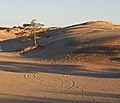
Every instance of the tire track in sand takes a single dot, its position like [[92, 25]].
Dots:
[[72, 84], [64, 82], [58, 79]]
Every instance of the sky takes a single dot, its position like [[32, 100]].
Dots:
[[58, 12]]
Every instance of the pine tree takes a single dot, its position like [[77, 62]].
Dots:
[[32, 28]]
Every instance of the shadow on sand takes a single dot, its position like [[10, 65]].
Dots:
[[30, 99], [58, 69]]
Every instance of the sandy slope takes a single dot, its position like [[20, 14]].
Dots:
[[79, 63]]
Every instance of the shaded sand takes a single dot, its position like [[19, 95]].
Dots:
[[76, 64]]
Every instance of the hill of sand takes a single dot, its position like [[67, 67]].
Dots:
[[75, 64]]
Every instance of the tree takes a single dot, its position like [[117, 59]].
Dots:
[[31, 29], [33, 25]]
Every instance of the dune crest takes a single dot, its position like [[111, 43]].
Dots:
[[100, 23]]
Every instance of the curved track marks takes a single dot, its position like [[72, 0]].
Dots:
[[72, 83], [50, 81]]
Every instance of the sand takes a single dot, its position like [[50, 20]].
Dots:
[[75, 64]]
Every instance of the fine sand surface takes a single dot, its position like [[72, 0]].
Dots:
[[75, 64]]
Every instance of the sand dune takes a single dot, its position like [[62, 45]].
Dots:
[[75, 64]]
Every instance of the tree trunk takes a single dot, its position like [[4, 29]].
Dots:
[[35, 39]]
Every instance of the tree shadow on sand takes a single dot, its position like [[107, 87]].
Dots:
[[58, 69], [108, 50], [12, 45], [111, 52], [93, 94], [29, 99], [117, 59]]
